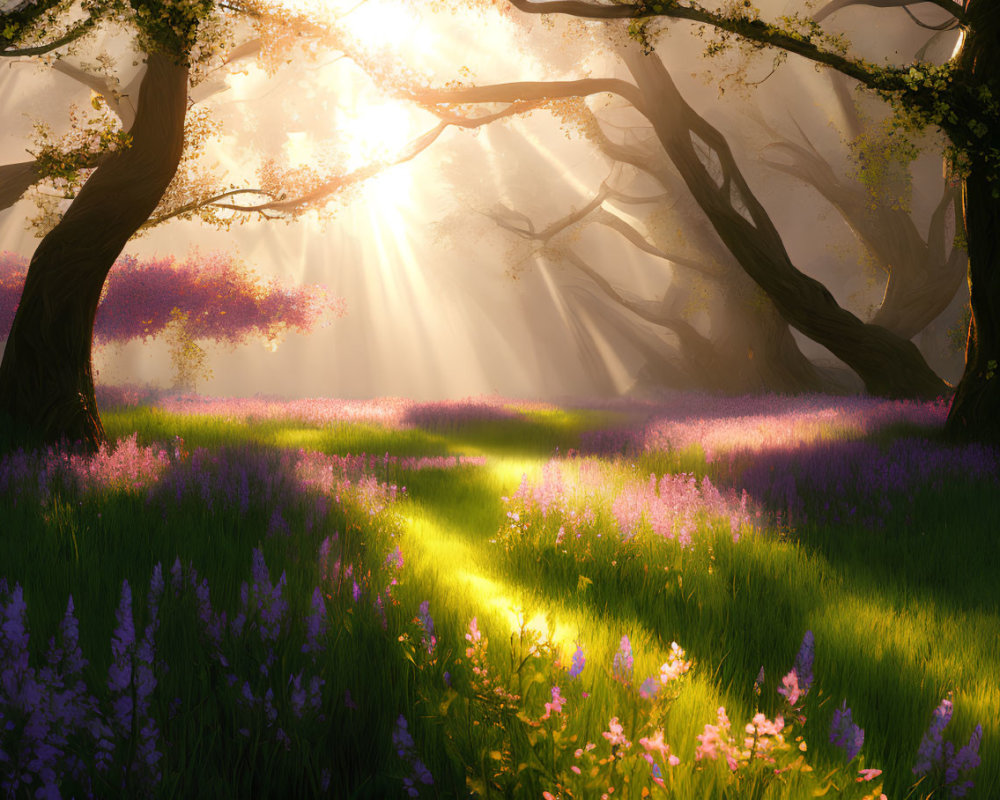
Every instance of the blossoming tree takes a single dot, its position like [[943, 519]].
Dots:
[[202, 298]]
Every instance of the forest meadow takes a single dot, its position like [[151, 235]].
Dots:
[[553, 399]]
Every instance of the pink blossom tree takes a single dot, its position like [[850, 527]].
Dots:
[[206, 297]]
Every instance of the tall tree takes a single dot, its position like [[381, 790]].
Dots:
[[888, 364], [119, 179], [959, 97]]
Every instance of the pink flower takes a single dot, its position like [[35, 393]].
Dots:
[[615, 734], [655, 744], [675, 666], [556, 706], [790, 688], [715, 741], [868, 774]]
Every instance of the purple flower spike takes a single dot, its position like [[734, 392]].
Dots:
[[579, 661], [155, 589], [401, 738], [804, 663], [315, 622], [931, 749], [844, 733], [122, 644]]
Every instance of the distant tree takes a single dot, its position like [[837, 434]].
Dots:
[[204, 298], [685, 141], [960, 97]]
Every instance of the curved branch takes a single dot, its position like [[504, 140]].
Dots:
[[67, 38], [528, 91], [835, 5], [748, 28]]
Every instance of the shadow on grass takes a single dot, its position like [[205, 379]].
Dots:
[[920, 514]]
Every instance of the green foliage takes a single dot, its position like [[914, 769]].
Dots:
[[958, 334], [170, 26], [882, 156]]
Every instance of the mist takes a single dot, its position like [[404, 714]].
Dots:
[[442, 301]]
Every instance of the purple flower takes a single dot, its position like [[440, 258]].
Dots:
[[935, 754], [966, 760], [315, 622], [421, 772], [14, 630], [122, 643], [176, 576], [804, 663], [578, 662], [622, 665], [930, 753], [426, 622], [155, 590], [401, 738], [649, 688], [395, 559], [844, 733], [297, 697]]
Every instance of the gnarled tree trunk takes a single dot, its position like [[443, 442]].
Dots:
[[46, 380], [888, 365]]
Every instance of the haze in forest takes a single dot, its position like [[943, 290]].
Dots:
[[442, 300]]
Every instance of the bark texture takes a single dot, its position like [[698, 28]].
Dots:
[[46, 379], [15, 180], [975, 410]]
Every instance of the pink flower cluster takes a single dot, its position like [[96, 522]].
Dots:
[[126, 466], [224, 301], [674, 506]]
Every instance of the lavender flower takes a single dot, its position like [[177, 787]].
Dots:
[[936, 755], [578, 662], [315, 623], [403, 743], [622, 664], [156, 587], [966, 760], [120, 671], [930, 753], [395, 559], [401, 738], [804, 663], [844, 733], [426, 622]]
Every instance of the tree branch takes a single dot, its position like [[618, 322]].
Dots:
[[835, 5], [70, 36], [528, 91], [749, 28]]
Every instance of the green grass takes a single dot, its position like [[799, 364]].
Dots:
[[901, 617]]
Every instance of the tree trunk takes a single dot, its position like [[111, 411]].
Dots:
[[46, 381], [975, 409], [888, 365]]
